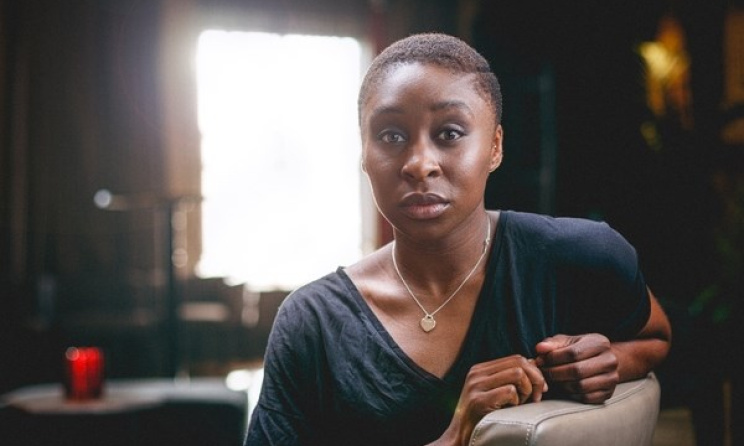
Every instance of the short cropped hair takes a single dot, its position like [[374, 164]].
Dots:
[[437, 49]]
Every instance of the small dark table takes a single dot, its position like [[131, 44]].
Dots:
[[146, 412]]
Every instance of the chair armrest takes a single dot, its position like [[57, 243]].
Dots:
[[628, 418]]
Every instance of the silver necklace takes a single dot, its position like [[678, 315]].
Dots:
[[428, 323]]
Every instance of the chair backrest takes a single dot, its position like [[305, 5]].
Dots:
[[628, 418]]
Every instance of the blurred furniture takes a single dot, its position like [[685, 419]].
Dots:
[[124, 316], [198, 412], [222, 324], [266, 308], [628, 418], [210, 323]]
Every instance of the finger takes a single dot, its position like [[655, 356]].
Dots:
[[529, 382], [539, 383], [551, 343], [535, 376], [515, 376], [600, 383], [495, 365], [500, 397], [525, 387], [548, 345], [515, 369], [579, 350], [575, 371]]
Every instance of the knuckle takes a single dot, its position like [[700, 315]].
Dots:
[[474, 372], [469, 376], [510, 395], [613, 363], [471, 385], [576, 371], [518, 373], [507, 392], [474, 369], [574, 353], [517, 359], [476, 405], [579, 387]]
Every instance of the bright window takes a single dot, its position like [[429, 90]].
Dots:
[[280, 154]]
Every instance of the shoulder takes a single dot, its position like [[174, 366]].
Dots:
[[309, 319], [569, 239], [552, 228], [316, 301]]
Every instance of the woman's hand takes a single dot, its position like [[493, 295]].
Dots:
[[583, 367], [493, 385]]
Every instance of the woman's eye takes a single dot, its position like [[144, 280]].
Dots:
[[391, 137], [450, 135]]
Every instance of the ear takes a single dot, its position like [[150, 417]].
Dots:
[[497, 152]]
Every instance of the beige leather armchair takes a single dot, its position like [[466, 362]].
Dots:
[[626, 419]]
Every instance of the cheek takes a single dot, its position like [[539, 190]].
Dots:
[[380, 181], [377, 162], [382, 188], [469, 173], [472, 164], [377, 171]]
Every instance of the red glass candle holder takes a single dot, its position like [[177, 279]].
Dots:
[[84, 373]]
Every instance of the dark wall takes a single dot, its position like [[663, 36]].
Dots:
[[660, 198], [80, 112]]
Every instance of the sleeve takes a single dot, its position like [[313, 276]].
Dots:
[[281, 414], [601, 281]]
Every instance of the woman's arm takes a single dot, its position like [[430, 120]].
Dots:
[[588, 367], [639, 356]]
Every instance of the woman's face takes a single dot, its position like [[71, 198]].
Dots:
[[429, 142]]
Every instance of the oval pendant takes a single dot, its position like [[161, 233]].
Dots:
[[428, 323]]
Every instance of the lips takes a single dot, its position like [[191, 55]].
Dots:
[[423, 205]]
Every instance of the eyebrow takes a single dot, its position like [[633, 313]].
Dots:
[[452, 104], [443, 105], [386, 110]]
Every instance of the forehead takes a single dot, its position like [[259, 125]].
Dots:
[[412, 86]]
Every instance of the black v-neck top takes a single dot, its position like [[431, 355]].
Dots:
[[334, 376]]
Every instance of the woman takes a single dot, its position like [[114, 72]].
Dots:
[[467, 311]]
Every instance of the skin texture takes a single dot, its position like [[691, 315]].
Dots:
[[430, 141], [430, 135]]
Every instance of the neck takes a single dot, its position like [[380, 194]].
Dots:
[[434, 269]]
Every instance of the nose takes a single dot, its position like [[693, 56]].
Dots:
[[422, 160]]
